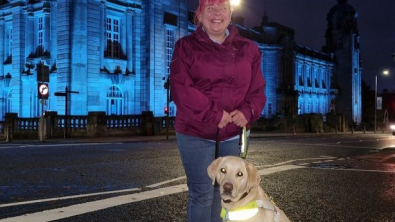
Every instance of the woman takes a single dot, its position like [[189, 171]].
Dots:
[[217, 84]]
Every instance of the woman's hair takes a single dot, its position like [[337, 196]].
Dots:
[[202, 5]]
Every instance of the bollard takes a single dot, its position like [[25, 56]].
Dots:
[[336, 130], [293, 129], [8, 134], [364, 129], [352, 129]]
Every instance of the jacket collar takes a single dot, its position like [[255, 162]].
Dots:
[[202, 35]]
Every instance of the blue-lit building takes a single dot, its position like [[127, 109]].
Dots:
[[116, 55]]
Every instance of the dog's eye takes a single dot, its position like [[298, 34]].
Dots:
[[223, 170], [239, 174]]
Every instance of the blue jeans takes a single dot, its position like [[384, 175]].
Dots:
[[204, 202]]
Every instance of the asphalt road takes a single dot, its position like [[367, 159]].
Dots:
[[313, 178]]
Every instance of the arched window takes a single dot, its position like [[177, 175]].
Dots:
[[9, 102], [115, 101]]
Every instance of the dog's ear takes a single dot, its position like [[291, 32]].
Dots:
[[213, 168], [253, 177]]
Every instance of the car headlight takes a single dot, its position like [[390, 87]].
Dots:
[[392, 126]]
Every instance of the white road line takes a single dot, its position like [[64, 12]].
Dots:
[[69, 197], [357, 170], [295, 160], [78, 209], [165, 182], [277, 169], [52, 145], [83, 208], [334, 145]]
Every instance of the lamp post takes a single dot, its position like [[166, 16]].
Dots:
[[385, 72], [235, 2]]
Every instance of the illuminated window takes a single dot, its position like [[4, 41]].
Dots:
[[8, 108], [300, 75], [169, 48], [8, 46], [308, 72], [40, 36], [115, 101], [114, 48]]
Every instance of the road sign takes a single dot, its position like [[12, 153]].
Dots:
[[60, 94], [43, 90]]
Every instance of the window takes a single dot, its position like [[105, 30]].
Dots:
[[40, 36], [308, 72], [114, 101], [169, 48], [300, 75], [269, 110], [8, 46], [114, 48], [8, 108]]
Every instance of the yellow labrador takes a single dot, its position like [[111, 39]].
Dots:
[[243, 199]]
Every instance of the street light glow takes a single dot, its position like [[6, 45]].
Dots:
[[234, 2], [386, 72]]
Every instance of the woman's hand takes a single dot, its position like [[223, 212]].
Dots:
[[238, 118], [226, 118]]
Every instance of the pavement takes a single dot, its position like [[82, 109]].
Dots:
[[256, 134], [381, 156]]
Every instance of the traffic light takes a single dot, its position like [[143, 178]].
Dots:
[[166, 85], [166, 110]]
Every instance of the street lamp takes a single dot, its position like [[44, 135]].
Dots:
[[235, 2], [385, 72]]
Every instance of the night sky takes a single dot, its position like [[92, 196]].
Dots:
[[376, 25]]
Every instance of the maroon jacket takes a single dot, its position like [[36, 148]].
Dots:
[[207, 78]]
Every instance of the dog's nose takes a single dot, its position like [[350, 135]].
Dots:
[[228, 187]]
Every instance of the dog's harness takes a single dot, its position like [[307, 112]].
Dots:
[[250, 210]]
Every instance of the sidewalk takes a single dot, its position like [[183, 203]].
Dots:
[[171, 137]]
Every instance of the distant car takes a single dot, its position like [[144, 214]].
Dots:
[[392, 127]]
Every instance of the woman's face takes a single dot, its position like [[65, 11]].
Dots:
[[215, 18]]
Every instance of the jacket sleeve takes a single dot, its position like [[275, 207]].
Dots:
[[255, 98], [189, 100]]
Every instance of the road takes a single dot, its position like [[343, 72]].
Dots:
[[311, 177]]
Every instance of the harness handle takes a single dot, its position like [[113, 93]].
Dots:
[[243, 144]]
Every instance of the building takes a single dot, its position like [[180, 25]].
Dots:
[[115, 55], [342, 39]]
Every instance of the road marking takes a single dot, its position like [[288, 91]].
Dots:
[[277, 169], [357, 170], [78, 209], [165, 182], [83, 208], [333, 145], [15, 146], [69, 197]]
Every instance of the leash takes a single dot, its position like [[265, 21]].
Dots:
[[243, 144]]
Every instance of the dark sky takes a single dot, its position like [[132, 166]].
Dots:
[[376, 25]]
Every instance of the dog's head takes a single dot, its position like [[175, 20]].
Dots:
[[235, 176]]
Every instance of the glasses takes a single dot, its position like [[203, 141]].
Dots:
[[223, 9]]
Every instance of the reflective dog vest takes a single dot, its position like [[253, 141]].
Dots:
[[248, 211]]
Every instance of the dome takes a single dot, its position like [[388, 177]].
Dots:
[[342, 7]]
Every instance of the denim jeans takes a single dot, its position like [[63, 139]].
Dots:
[[204, 202]]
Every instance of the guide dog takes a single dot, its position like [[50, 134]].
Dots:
[[243, 199]]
